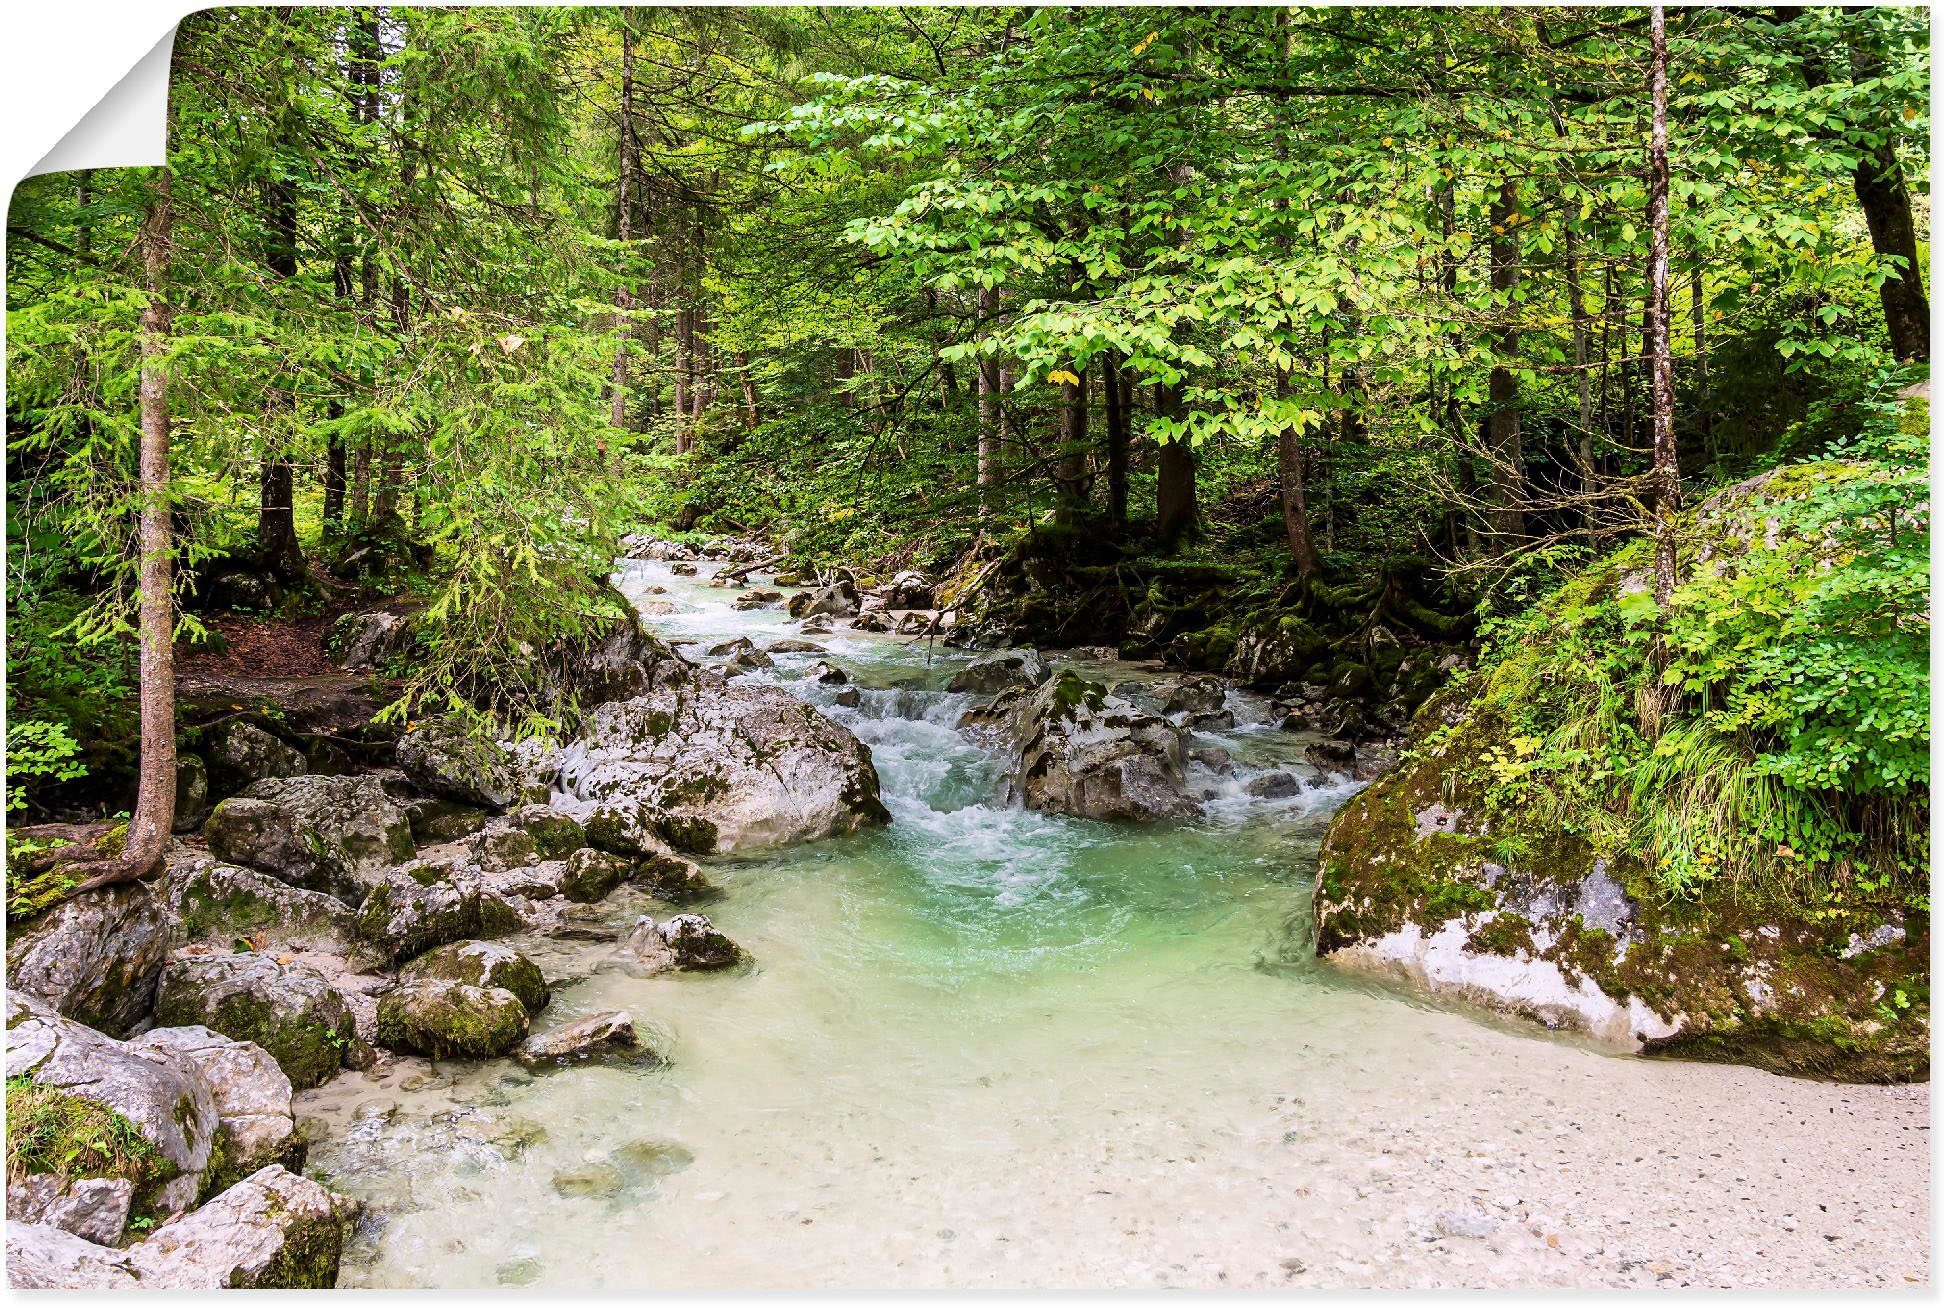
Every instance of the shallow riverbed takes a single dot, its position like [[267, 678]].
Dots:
[[985, 1047]]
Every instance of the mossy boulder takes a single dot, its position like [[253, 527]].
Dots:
[[330, 833], [442, 820], [96, 957], [287, 1008], [488, 965], [449, 1018], [442, 756], [218, 901], [424, 904], [591, 874], [554, 833]]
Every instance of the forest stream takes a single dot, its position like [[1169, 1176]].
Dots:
[[986, 1047]]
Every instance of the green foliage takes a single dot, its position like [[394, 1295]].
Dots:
[[52, 1132], [1795, 756], [38, 750]]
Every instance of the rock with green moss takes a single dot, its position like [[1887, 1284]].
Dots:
[[442, 820], [591, 874], [220, 902], [1079, 750], [555, 834], [274, 1229], [504, 848], [714, 766], [84, 1105], [1012, 668], [488, 965], [685, 942], [95, 958], [335, 834], [283, 1006], [607, 1034], [1521, 856], [255, 1124], [242, 753], [192, 793], [449, 1018], [443, 756], [426, 903]]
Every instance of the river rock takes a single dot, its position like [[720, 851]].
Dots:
[[424, 904], [616, 658], [505, 848], [287, 1008], [94, 1209], [442, 820], [591, 874], [161, 1094], [823, 673], [781, 646], [1196, 695], [1007, 669], [44, 1256], [685, 942], [361, 641], [443, 757], [555, 834], [728, 648], [1274, 784], [1082, 751], [274, 1229], [96, 957], [252, 1097], [682, 569], [907, 589], [817, 625], [192, 793], [720, 767], [216, 900], [242, 753], [488, 965], [447, 1018], [752, 660], [848, 696], [837, 600], [336, 834], [586, 1039]]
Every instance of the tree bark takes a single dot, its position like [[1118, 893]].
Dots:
[[1176, 515], [1070, 471], [1295, 505], [624, 223], [988, 410], [276, 534], [752, 415], [1504, 441], [1666, 476], [155, 793], [1117, 440]]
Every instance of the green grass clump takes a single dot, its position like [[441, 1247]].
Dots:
[[52, 1132]]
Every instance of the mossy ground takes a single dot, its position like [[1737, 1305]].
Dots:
[[53, 1132]]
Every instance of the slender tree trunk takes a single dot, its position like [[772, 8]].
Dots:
[[1504, 442], [1666, 473], [752, 415], [624, 222], [1295, 504], [1117, 441], [155, 794], [276, 536], [1175, 512], [988, 410], [1070, 474]]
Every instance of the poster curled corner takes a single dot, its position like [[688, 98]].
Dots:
[[127, 128]]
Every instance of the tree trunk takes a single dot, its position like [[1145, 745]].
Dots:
[[1295, 506], [1070, 471], [752, 415], [988, 411], [276, 534], [624, 225], [1666, 478], [1175, 511], [155, 794], [1504, 443], [1116, 441]]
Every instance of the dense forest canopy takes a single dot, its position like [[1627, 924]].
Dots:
[[1324, 302]]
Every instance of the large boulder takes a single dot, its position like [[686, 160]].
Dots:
[[1416, 884], [44, 1255], [1012, 668], [442, 756], [241, 752], [686, 942], [192, 793], [88, 1087], [488, 965], [1079, 750], [287, 1008], [216, 900], [337, 834], [254, 1119], [95, 958], [908, 589], [555, 834], [448, 1018], [712, 766], [362, 641], [424, 904], [274, 1229]]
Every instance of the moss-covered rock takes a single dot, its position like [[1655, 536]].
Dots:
[[488, 965], [554, 833], [424, 904], [285, 1007], [96, 957], [448, 1018]]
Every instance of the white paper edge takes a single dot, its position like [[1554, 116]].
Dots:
[[127, 128]]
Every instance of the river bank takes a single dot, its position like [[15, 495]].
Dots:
[[990, 1047]]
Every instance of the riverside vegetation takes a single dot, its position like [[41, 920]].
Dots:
[[520, 480]]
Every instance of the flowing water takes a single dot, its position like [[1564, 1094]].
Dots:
[[987, 1047]]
